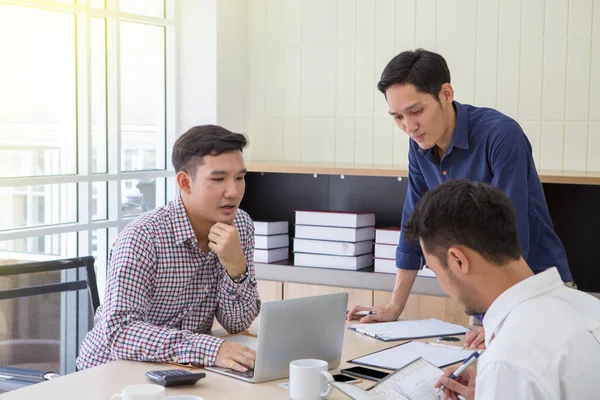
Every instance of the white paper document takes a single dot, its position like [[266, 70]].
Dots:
[[413, 382], [407, 330], [396, 357], [418, 379]]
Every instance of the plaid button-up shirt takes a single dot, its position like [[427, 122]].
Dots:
[[163, 293]]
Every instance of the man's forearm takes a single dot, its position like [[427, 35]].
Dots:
[[141, 341], [405, 279], [238, 306]]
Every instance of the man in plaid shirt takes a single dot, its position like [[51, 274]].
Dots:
[[175, 268]]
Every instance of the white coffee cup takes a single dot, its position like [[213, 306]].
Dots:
[[141, 392], [183, 397], [309, 380]]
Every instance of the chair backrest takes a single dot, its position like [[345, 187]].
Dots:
[[46, 309], [89, 280]]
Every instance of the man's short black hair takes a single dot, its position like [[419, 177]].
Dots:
[[426, 70], [199, 141], [472, 214]]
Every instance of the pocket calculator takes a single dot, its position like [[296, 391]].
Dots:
[[175, 377]]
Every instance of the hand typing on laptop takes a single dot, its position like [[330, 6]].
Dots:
[[236, 357], [286, 332]]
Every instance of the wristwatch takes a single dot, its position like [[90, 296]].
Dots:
[[240, 279]]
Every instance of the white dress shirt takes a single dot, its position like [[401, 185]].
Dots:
[[546, 343]]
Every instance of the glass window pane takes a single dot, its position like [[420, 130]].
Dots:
[[170, 9], [151, 8], [98, 3], [34, 205], [98, 64], [30, 334], [142, 97], [140, 195], [99, 200], [39, 248], [37, 99]]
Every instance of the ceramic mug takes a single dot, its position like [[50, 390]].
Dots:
[[183, 397], [141, 392], [309, 380]]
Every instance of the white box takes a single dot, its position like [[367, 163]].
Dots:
[[271, 241], [335, 262], [332, 248], [270, 228], [334, 234], [389, 235], [385, 250], [337, 219], [386, 266], [269, 256]]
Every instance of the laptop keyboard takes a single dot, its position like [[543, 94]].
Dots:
[[248, 374]]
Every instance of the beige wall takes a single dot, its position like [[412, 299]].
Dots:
[[313, 66]]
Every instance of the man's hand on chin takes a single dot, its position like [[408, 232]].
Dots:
[[224, 240]]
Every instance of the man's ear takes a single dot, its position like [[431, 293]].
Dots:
[[184, 181], [447, 93], [458, 261]]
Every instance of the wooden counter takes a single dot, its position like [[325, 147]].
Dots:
[[546, 176]]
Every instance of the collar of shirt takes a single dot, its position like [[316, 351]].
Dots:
[[527, 289], [182, 227], [460, 135]]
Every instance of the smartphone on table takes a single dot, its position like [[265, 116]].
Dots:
[[366, 373], [346, 378]]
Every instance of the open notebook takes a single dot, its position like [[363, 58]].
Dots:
[[412, 382]]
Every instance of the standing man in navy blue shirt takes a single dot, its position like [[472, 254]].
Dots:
[[451, 140]]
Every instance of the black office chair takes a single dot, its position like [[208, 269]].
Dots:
[[46, 309]]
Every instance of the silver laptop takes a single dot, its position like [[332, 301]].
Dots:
[[308, 327]]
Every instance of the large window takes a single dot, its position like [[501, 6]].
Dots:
[[83, 128]]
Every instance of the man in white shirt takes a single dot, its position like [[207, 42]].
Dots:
[[542, 338]]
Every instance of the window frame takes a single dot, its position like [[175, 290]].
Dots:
[[84, 177]]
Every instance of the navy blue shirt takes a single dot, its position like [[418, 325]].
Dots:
[[488, 146]]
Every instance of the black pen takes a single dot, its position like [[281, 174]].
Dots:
[[448, 339]]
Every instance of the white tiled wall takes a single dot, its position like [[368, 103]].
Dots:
[[314, 66]]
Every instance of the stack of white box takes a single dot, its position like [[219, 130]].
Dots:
[[386, 242], [271, 241], [338, 240]]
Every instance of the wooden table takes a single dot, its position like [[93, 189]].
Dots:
[[101, 382]]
